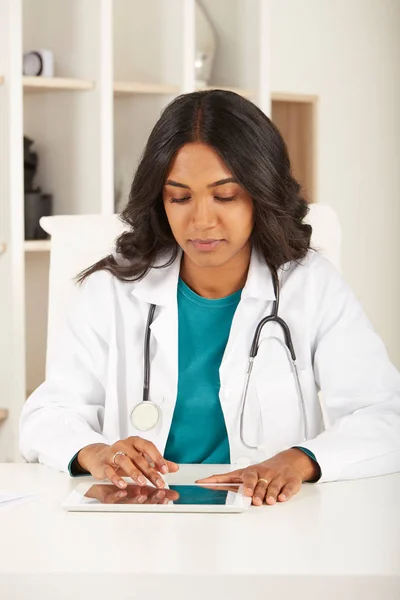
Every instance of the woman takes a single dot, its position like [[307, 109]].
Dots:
[[216, 235]]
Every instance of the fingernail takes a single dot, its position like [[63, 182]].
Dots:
[[141, 499], [122, 483], [248, 491], [160, 483], [165, 501], [257, 501], [160, 494], [164, 469], [141, 480], [271, 499], [121, 494], [283, 497]]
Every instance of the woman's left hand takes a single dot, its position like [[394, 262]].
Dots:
[[284, 474]]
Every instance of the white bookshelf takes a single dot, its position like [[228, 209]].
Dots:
[[118, 63]]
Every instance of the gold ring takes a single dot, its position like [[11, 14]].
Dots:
[[264, 480], [115, 456]]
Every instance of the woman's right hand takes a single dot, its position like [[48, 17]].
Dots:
[[140, 459]]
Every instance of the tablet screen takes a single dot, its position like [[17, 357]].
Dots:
[[176, 494]]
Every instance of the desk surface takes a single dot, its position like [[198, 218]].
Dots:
[[330, 530]]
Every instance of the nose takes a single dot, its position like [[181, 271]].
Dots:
[[204, 215]]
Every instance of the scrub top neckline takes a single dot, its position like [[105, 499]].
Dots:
[[208, 302]]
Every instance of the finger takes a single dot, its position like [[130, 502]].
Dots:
[[171, 495], [124, 462], [109, 473], [172, 466], [289, 489], [231, 477], [273, 490], [250, 478], [149, 450], [114, 497], [223, 488], [151, 473], [260, 490], [155, 497]]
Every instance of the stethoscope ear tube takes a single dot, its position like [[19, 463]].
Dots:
[[146, 374]]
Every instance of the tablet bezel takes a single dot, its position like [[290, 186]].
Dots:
[[236, 502]]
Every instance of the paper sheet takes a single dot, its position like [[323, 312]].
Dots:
[[9, 499]]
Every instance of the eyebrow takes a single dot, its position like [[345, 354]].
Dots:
[[211, 185]]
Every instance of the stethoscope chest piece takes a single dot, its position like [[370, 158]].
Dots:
[[145, 416]]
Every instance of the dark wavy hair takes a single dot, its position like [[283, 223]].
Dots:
[[253, 150]]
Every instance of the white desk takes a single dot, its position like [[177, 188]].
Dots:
[[332, 541]]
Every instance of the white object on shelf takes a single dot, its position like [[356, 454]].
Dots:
[[206, 45], [33, 84], [38, 63]]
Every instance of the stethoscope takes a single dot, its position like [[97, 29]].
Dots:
[[147, 414]]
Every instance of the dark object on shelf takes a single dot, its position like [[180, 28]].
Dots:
[[37, 205]]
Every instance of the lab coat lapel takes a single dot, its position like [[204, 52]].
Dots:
[[159, 287], [257, 292]]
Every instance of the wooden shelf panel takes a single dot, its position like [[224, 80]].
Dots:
[[3, 414], [48, 84], [288, 97], [37, 245], [246, 93], [124, 88]]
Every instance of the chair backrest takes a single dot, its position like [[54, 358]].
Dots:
[[78, 241]]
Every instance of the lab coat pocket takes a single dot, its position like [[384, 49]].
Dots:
[[281, 414]]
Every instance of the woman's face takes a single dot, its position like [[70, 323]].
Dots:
[[210, 214]]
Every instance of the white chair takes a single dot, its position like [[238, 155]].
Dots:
[[78, 241]]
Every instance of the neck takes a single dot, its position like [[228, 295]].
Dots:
[[217, 282]]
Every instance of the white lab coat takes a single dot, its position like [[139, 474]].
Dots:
[[97, 376]]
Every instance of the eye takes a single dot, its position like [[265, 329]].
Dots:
[[180, 200], [225, 199]]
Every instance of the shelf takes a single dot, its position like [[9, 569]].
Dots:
[[124, 88], [246, 93], [49, 84], [288, 97], [37, 245], [3, 414]]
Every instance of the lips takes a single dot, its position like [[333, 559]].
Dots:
[[206, 245]]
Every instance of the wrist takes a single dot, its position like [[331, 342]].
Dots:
[[85, 455], [309, 469]]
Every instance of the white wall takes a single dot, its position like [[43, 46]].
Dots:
[[348, 52]]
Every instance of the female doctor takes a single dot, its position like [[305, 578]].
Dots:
[[165, 357]]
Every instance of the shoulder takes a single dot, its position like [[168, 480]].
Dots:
[[95, 297], [313, 270]]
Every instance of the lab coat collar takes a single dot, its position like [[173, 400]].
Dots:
[[160, 284], [259, 282]]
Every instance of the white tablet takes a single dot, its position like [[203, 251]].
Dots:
[[103, 496]]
